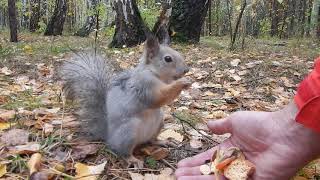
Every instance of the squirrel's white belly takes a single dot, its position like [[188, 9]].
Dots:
[[149, 126]]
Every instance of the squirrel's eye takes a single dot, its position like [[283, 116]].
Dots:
[[168, 59]]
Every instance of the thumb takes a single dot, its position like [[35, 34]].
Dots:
[[221, 126]]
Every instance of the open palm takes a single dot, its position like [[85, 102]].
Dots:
[[273, 141]]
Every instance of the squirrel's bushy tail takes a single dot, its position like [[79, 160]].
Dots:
[[86, 80]]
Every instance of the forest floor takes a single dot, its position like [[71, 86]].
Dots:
[[35, 120]]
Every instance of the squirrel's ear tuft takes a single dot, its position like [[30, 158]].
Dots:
[[152, 47]]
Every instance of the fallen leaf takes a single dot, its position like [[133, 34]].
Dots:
[[60, 154], [236, 77], [29, 148], [15, 137], [244, 72], [287, 82], [235, 62], [47, 128], [3, 170], [34, 163], [28, 49], [216, 115], [6, 71], [209, 93], [6, 125], [53, 110], [136, 176], [157, 153], [7, 115], [169, 133], [82, 151], [3, 99], [89, 172]]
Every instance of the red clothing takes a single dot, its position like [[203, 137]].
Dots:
[[308, 99]]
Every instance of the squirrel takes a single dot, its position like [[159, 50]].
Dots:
[[124, 109]]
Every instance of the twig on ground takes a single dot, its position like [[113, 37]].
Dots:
[[167, 163], [185, 121]]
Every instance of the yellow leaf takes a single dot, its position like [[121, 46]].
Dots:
[[3, 170], [34, 163], [28, 49], [169, 133], [88, 172], [4, 126]]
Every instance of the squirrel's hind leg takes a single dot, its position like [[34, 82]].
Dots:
[[122, 141]]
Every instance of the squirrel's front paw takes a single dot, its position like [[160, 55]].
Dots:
[[185, 82], [134, 162]]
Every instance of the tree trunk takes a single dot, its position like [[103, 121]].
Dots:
[[25, 18], [229, 19], [302, 16], [310, 6], [235, 32], [90, 22], [292, 9], [318, 21], [187, 19], [210, 17], [13, 20], [274, 18], [217, 23], [130, 28], [284, 24], [55, 26], [35, 15], [161, 27]]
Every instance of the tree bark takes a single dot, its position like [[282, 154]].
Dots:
[[161, 27], [302, 17], [210, 17], [318, 23], [88, 27], [13, 20], [187, 19], [310, 6], [130, 28], [274, 18], [55, 26], [284, 19], [229, 20], [35, 15], [236, 29], [292, 9]]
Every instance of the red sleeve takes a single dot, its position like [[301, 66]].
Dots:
[[308, 99]]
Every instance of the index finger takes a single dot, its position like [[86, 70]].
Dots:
[[201, 158]]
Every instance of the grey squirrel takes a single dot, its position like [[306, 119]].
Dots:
[[125, 109]]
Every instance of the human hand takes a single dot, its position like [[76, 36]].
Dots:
[[276, 144]]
